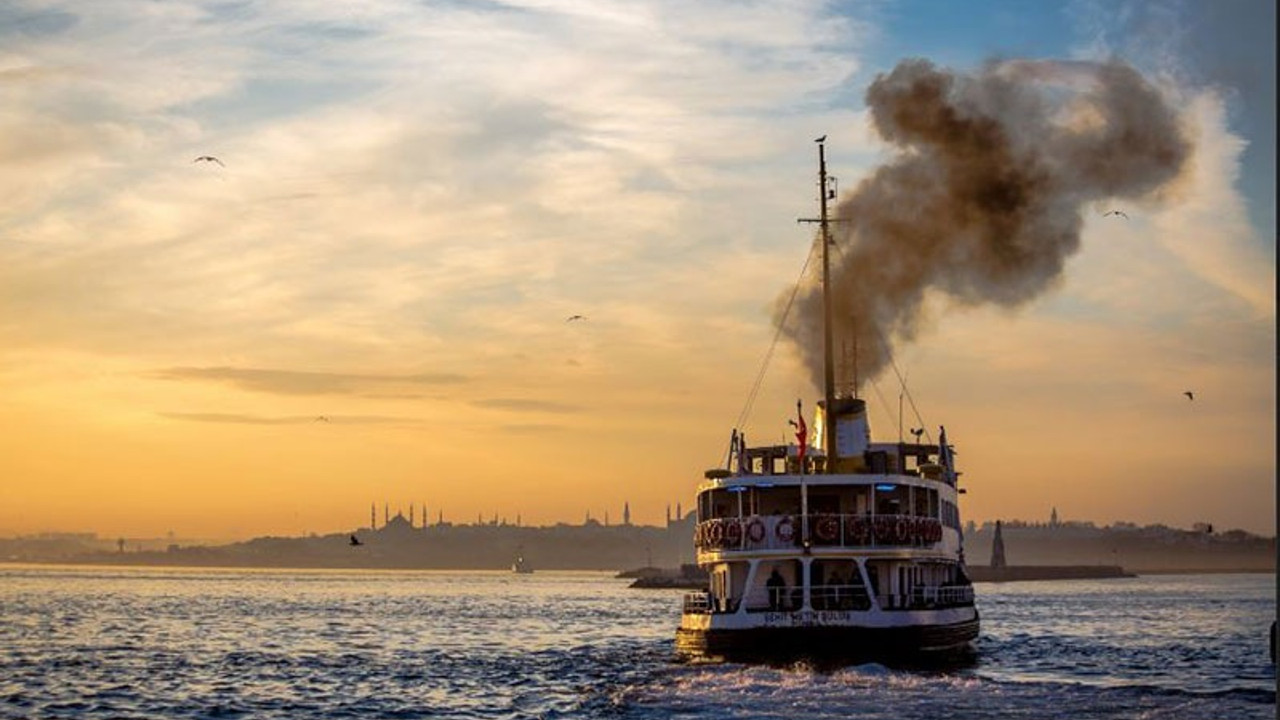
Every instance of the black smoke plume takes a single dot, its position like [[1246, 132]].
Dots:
[[984, 198]]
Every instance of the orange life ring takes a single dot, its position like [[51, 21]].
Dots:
[[716, 533], [732, 532], [857, 530], [827, 528], [883, 530], [755, 531], [785, 530]]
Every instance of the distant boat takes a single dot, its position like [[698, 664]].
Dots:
[[521, 566], [850, 550]]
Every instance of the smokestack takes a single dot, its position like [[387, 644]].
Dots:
[[984, 198]]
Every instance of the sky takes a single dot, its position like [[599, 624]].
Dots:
[[364, 301]]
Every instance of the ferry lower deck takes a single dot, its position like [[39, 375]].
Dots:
[[828, 643]]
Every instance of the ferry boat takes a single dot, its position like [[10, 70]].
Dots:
[[521, 566], [842, 549]]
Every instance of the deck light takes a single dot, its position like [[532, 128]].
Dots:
[[886, 488]]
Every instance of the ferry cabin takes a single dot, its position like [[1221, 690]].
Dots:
[[882, 535]]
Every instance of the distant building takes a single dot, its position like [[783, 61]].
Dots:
[[997, 548]]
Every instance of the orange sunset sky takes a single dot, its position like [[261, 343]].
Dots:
[[366, 301]]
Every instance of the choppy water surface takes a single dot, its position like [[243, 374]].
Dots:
[[118, 643]]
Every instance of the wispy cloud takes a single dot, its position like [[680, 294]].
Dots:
[[526, 405], [293, 382], [240, 419]]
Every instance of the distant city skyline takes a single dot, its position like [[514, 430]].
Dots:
[[368, 294]]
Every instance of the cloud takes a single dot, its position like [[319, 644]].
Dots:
[[293, 382], [527, 405], [239, 419]]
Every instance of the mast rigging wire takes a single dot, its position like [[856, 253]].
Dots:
[[764, 364]]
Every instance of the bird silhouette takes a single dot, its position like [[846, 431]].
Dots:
[[1190, 395], [208, 158], [821, 139], [354, 541], [1115, 212], [571, 318], [322, 418]]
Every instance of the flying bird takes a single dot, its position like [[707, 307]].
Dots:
[[354, 541], [1115, 212], [322, 418], [1190, 395], [208, 158], [821, 139], [571, 318]]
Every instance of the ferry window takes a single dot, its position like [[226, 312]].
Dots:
[[823, 503], [893, 502], [779, 501], [858, 500]]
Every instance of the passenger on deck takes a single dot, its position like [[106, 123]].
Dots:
[[835, 584], [777, 588]]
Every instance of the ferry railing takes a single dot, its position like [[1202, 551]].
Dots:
[[781, 532], [928, 598], [780, 599], [839, 597], [697, 603]]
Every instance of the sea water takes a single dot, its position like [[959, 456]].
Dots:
[[198, 643]]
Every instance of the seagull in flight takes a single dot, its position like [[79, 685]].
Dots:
[[208, 158], [1190, 395], [354, 541], [571, 318], [1119, 213], [322, 418], [821, 139]]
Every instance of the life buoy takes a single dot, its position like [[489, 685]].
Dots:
[[856, 530], [901, 531], [715, 533], [755, 531], [785, 530], [732, 533], [827, 528], [883, 530]]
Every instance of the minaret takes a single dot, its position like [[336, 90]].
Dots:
[[410, 514], [439, 517], [626, 513], [386, 514], [373, 516], [1053, 518], [679, 513], [997, 548], [668, 514]]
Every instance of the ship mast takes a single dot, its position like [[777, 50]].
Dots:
[[828, 365]]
